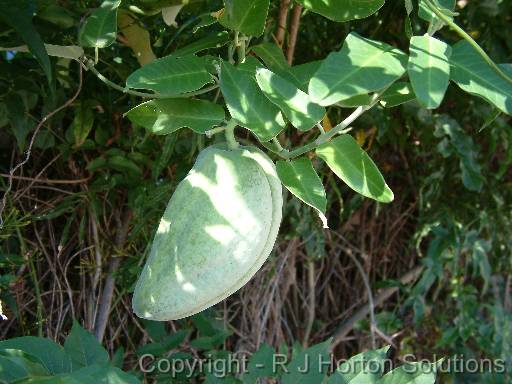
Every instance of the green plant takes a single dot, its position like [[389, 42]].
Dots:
[[109, 178], [82, 359]]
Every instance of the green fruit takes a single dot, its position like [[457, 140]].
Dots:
[[217, 231]]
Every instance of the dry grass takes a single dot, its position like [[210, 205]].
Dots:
[[294, 297]]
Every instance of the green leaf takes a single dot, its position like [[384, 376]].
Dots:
[[352, 165], [216, 40], [20, 122], [365, 367], [245, 16], [246, 103], [164, 116], [474, 75], [356, 101], [362, 66], [18, 15], [82, 124], [465, 149], [301, 179], [429, 69], [261, 365], [295, 104], [310, 358], [429, 16], [171, 75], [56, 15], [44, 139], [20, 365], [272, 55], [10, 371], [100, 374], [343, 10], [83, 348], [48, 353], [274, 59], [411, 373], [100, 28], [303, 73], [398, 93]]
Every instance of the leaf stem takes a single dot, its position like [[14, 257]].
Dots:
[[462, 33], [89, 65]]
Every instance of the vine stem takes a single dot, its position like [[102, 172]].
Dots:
[[89, 65], [342, 127], [462, 33]]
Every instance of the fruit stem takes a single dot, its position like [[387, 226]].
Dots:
[[230, 134]]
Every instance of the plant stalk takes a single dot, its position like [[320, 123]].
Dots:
[[462, 33]]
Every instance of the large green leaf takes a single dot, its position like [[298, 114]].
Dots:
[[272, 55], [352, 165], [429, 69], [301, 179], [303, 73], [100, 374], [361, 66], [100, 28], [411, 373], [343, 10], [366, 367], [83, 348], [48, 353], [261, 364], [246, 102], [474, 75], [164, 116], [295, 104], [16, 365], [246, 16], [171, 75], [309, 366], [18, 14]]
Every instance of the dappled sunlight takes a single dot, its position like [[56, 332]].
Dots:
[[361, 66]]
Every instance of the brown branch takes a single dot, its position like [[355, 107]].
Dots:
[[294, 31], [282, 21], [48, 181], [105, 304]]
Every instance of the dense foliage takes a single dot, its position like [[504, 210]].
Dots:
[[95, 134]]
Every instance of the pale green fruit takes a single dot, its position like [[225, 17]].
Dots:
[[218, 229]]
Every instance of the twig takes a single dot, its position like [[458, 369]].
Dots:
[[294, 31], [342, 127], [371, 303], [281, 22], [28, 152], [311, 302], [47, 181], [108, 289]]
